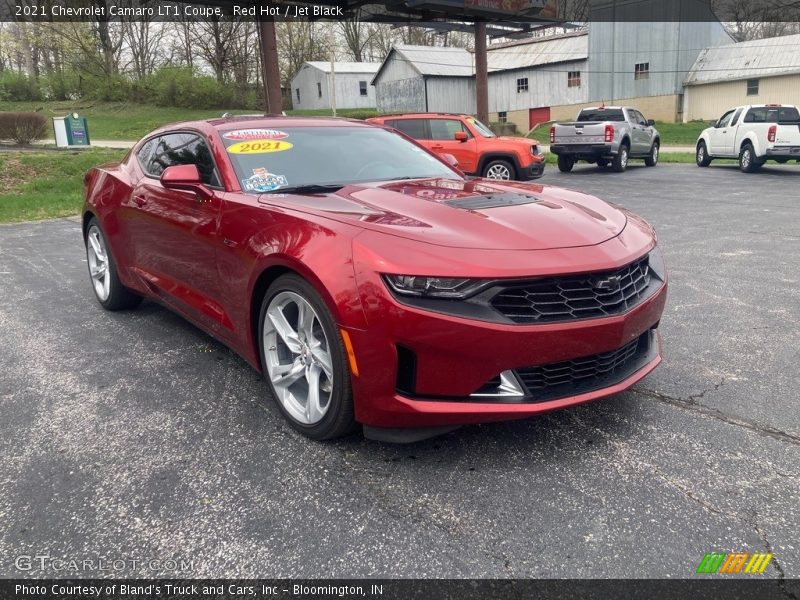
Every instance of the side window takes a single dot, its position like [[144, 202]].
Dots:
[[726, 119], [639, 118], [736, 117], [445, 129], [183, 149], [414, 128], [144, 153]]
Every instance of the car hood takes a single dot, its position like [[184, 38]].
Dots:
[[478, 214], [518, 141]]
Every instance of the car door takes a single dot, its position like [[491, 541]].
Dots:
[[174, 233], [719, 134], [443, 141], [640, 138], [727, 137]]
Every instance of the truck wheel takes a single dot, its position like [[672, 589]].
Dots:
[[701, 157], [602, 163], [748, 163], [499, 169], [620, 162], [565, 164], [652, 159]]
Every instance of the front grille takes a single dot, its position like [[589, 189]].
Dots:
[[577, 296], [580, 375]]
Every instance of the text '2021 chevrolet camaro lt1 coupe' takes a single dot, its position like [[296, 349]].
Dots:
[[370, 281]]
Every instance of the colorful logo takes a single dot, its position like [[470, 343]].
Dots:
[[255, 134], [735, 562], [263, 181]]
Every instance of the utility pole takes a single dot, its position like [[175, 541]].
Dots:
[[273, 102], [333, 72], [481, 73]]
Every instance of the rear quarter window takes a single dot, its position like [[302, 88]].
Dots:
[[414, 128]]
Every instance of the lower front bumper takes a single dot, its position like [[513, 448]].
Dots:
[[533, 171]]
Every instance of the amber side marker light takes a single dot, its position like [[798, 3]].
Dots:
[[351, 357]]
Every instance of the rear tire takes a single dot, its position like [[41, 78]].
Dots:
[[748, 163], [304, 360], [103, 274], [701, 156], [565, 164], [620, 162], [652, 159]]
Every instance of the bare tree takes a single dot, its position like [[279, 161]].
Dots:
[[301, 41], [214, 40], [144, 42], [356, 36]]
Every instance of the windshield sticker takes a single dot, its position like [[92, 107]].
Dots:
[[259, 147], [255, 134], [263, 181]]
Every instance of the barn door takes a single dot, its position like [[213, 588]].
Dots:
[[538, 116]]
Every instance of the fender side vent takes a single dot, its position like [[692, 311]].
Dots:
[[406, 371]]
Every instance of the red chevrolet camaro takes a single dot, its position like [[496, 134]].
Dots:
[[370, 281]]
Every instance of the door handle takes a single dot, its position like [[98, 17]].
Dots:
[[139, 201]]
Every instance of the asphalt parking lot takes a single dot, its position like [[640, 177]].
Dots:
[[135, 436]]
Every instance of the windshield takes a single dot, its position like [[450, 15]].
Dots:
[[270, 159], [482, 129], [595, 114]]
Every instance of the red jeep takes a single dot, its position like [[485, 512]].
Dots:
[[477, 150]]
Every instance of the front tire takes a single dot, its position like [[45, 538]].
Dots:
[[620, 162], [565, 164], [499, 169], [652, 158], [304, 360], [701, 156], [108, 289], [748, 163]]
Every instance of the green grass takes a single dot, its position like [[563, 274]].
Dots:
[[45, 185], [127, 121], [672, 134]]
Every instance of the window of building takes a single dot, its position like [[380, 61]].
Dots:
[[641, 71], [502, 116], [297, 93], [752, 87], [574, 79], [319, 91], [362, 88], [522, 85]]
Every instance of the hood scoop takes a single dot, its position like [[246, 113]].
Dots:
[[492, 201]]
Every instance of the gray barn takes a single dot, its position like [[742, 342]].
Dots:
[[310, 87]]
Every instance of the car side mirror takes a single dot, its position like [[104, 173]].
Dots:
[[651, 122], [450, 160], [187, 178], [460, 136]]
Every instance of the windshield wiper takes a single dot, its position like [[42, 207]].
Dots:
[[311, 188]]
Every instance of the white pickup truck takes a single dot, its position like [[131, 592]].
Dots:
[[754, 134]]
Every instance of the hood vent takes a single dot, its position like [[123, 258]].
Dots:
[[492, 201]]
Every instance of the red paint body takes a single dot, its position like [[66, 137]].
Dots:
[[210, 260]]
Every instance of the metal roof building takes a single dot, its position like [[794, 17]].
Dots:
[[756, 72], [311, 85]]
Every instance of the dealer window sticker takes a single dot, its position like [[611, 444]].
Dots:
[[243, 135], [263, 181], [259, 147]]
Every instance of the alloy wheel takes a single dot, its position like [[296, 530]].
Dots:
[[97, 256], [298, 357], [498, 172]]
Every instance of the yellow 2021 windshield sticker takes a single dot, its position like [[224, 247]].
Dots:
[[259, 147]]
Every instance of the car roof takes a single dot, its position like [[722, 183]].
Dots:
[[420, 115], [250, 121]]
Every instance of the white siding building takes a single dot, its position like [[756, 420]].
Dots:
[[763, 71], [310, 87]]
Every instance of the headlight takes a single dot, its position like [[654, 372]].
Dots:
[[536, 150], [433, 287]]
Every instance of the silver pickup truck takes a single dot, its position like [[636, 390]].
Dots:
[[605, 135]]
